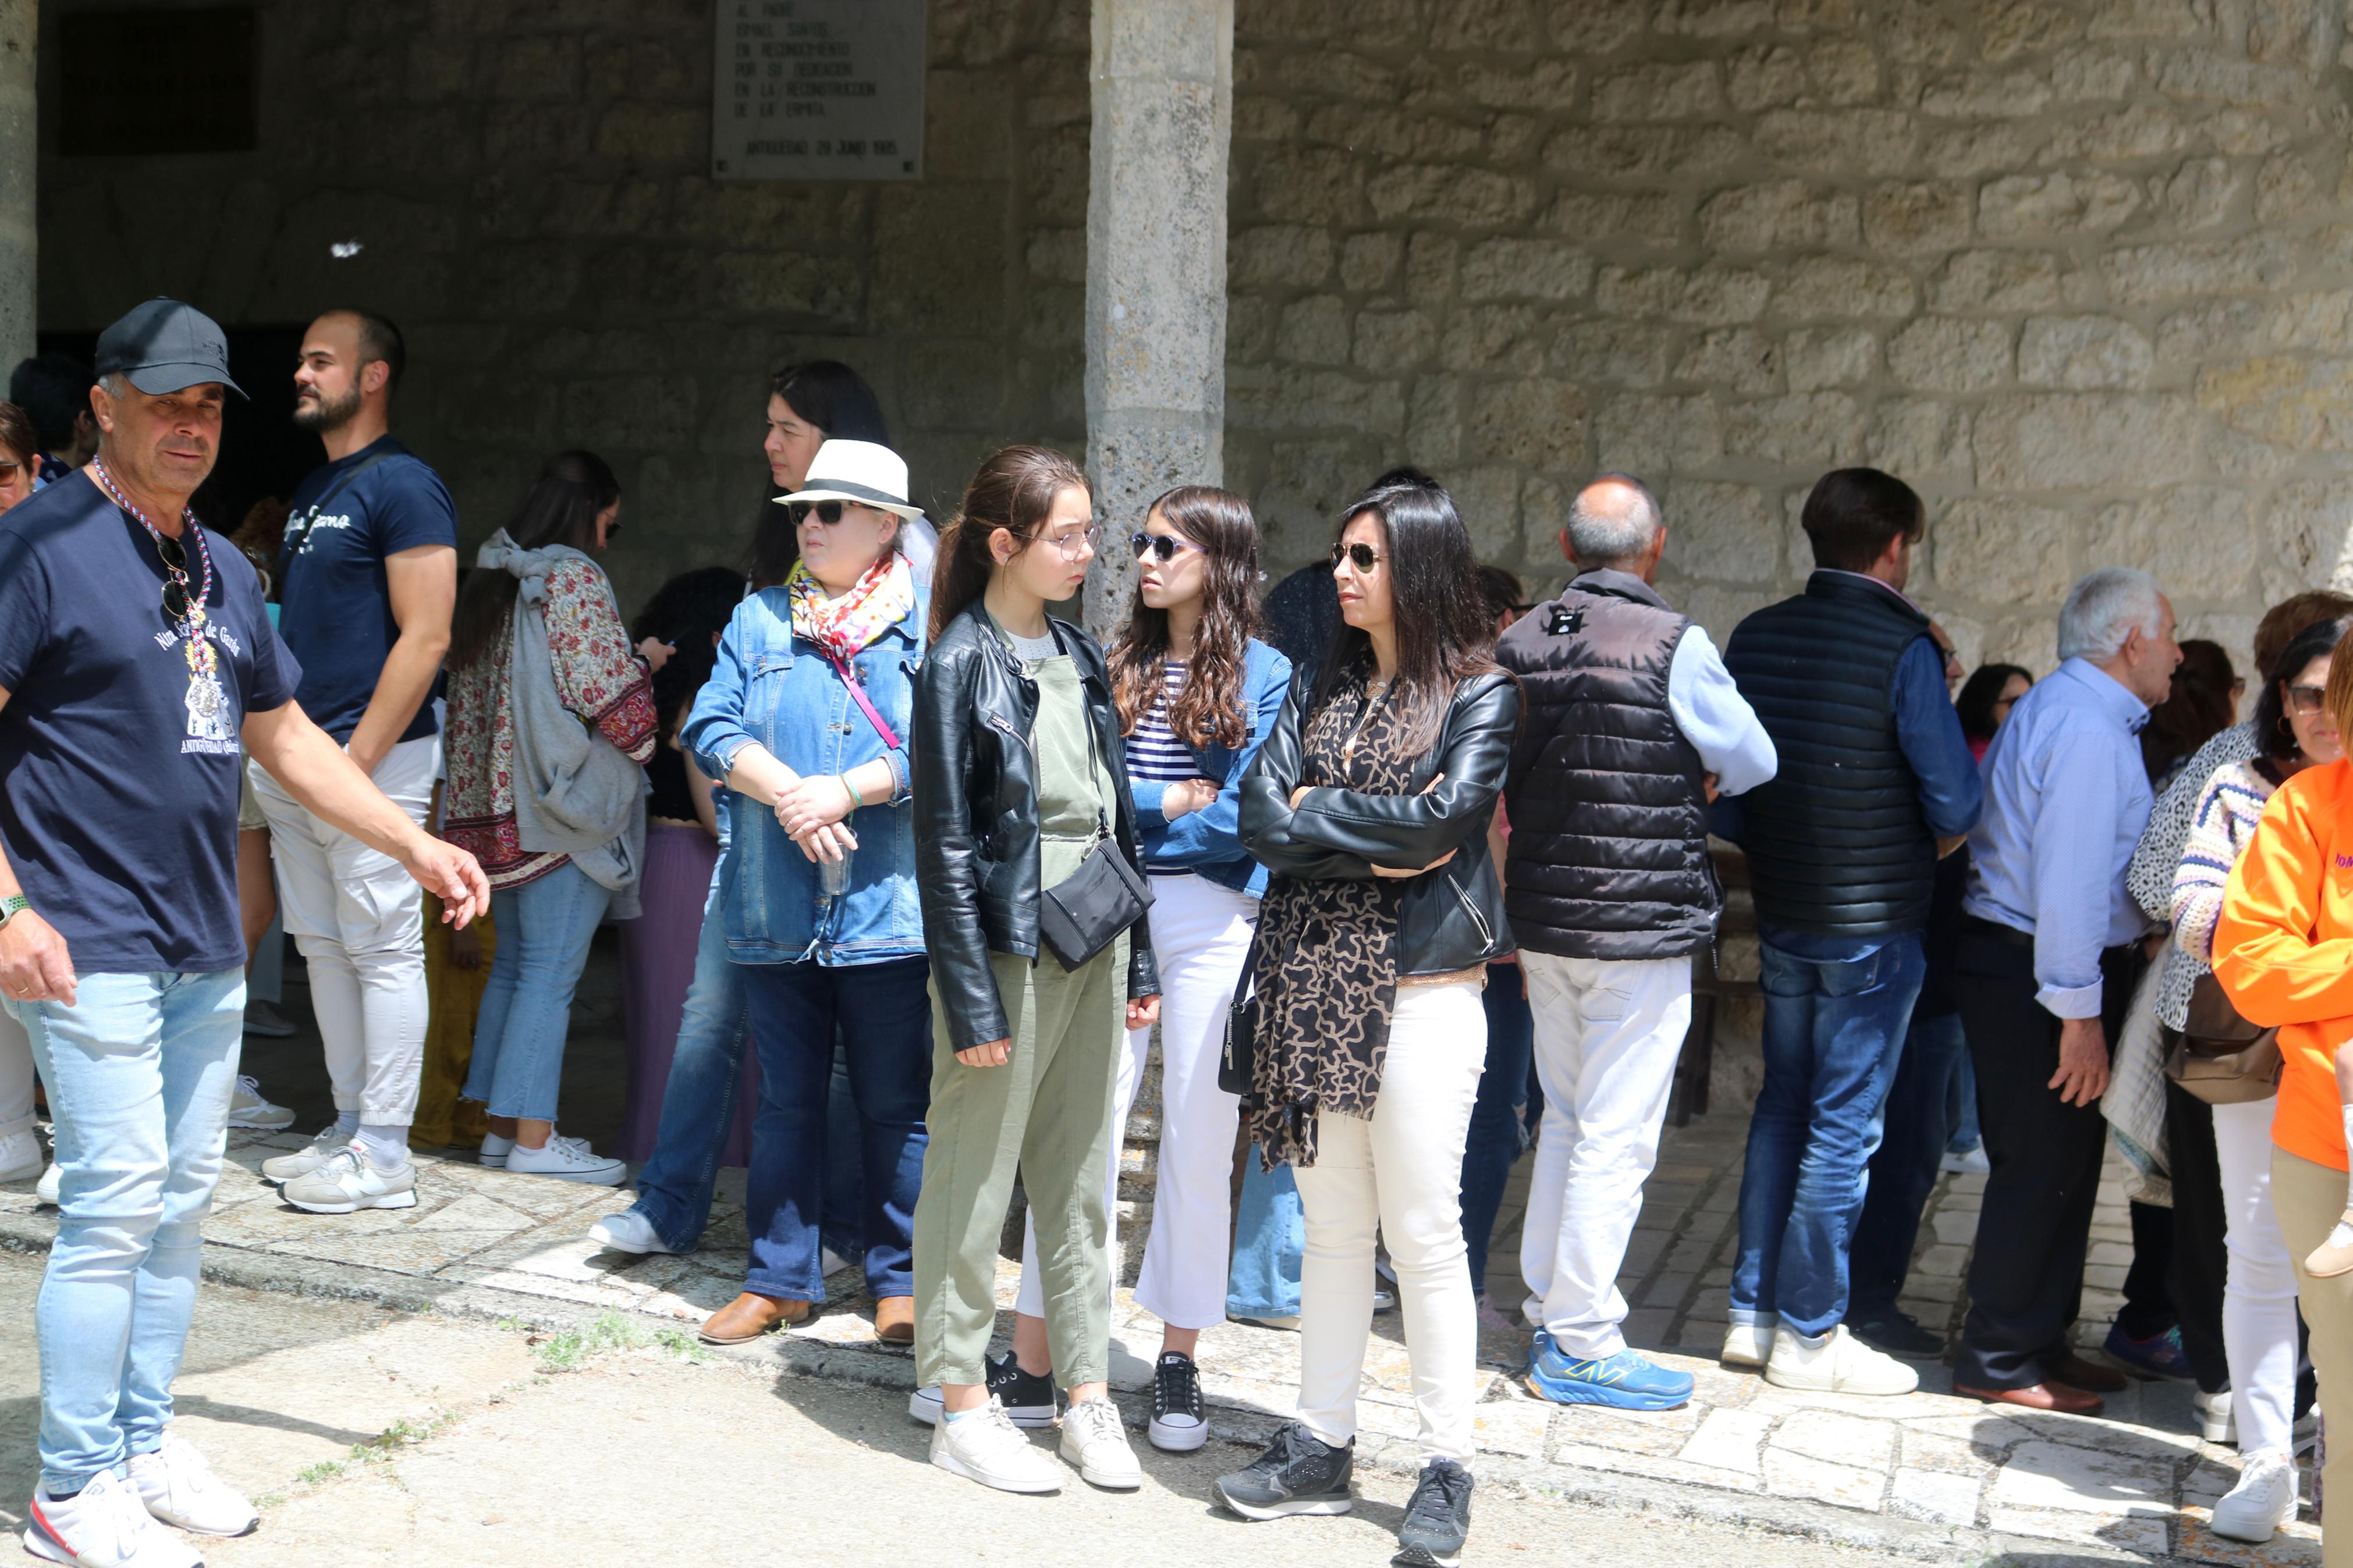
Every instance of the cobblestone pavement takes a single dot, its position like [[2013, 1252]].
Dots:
[[1930, 1467]]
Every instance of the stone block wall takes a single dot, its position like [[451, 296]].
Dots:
[[2081, 270], [529, 181]]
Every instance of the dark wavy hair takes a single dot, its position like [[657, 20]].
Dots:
[[1444, 633], [2200, 706], [1013, 489], [560, 508], [687, 612], [1213, 706], [835, 398], [1979, 692], [2318, 640]]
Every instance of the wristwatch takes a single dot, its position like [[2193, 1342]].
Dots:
[[13, 905]]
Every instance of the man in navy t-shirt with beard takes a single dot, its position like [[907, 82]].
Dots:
[[135, 654]]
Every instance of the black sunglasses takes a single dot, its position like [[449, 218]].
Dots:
[[1161, 547], [1362, 555], [175, 586]]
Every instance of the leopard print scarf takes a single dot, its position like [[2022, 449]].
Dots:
[[1327, 953]]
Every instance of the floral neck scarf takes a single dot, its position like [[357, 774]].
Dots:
[[882, 598]]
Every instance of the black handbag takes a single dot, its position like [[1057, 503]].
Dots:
[[1237, 1058], [2221, 1057], [1085, 912]]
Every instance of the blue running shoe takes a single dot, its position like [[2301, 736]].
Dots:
[[2159, 1356], [1623, 1381]]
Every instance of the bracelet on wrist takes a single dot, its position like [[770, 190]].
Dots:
[[856, 799]]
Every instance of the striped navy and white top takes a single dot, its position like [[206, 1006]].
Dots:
[[1155, 755]]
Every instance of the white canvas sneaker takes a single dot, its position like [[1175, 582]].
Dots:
[[102, 1526], [246, 1107], [495, 1151], [567, 1160], [2263, 1499], [308, 1158], [2218, 1421], [20, 1156], [180, 1489], [351, 1182], [627, 1231], [45, 1190], [1094, 1438], [1747, 1344], [1840, 1364], [987, 1447]]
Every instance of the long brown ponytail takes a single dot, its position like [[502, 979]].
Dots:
[[1013, 489]]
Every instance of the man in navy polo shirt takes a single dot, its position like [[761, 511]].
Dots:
[[135, 654], [367, 576]]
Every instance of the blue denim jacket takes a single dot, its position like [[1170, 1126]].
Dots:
[[778, 689], [1209, 842]]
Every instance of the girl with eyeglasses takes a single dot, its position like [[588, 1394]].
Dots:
[[1021, 796], [1370, 802]]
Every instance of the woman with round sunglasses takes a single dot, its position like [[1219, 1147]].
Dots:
[[1370, 802], [1022, 802], [806, 719], [1196, 694]]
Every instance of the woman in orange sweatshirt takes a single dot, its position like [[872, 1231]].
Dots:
[[2283, 951]]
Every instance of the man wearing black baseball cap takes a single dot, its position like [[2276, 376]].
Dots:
[[135, 654]]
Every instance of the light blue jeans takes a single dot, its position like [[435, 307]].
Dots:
[[1269, 1242], [544, 930], [140, 1070]]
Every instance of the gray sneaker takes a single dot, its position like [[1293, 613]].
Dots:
[[350, 1181], [308, 1158]]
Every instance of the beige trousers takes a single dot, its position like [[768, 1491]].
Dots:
[[2309, 1198]]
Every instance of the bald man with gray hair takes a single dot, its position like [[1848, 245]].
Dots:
[[1629, 727]]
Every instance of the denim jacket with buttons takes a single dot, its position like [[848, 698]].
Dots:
[[1209, 842], [782, 692]]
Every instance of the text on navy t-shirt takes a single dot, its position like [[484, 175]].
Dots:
[[334, 604], [118, 793]]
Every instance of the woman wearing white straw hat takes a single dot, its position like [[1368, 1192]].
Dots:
[[805, 719]]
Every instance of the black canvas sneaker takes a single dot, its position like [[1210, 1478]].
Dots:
[[1297, 1474], [1436, 1519], [1178, 1424], [1029, 1401]]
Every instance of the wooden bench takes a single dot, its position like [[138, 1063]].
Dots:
[[1710, 986]]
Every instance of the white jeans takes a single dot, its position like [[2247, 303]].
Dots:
[[1607, 1034], [358, 918], [16, 1077], [1399, 1174], [2259, 1298], [1200, 932]]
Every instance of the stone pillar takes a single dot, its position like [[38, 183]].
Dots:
[[18, 144], [1163, 103]]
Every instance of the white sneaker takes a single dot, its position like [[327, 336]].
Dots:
[[246, 1107], [329, 1143], [987, 1447], [1094, 1438], [627, 1231], [2217, 1421], [102, 1526], [20, 1156], [1840, 1364], [1749, 1344], [1971, 1162], [567, 1160], [179, 1487], [351, 1182], [2263, 1499], [495, 1151], [45, 1190]]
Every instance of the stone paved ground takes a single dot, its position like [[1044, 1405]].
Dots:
[[1929, 1469]]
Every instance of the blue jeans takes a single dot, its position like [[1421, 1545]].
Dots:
[[1835, 1013], [1269, 1241], [885, 1012], [141, 1070], [544, 930], [699, 1097], [843, 1228], [1918, 1127], [1961, 1105], [1494, 1137]]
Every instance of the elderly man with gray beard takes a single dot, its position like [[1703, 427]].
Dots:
[[1631, 727]]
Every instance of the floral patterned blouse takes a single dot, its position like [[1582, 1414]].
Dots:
[[596, 676]]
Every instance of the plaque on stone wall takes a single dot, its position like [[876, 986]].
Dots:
[[818, 90]]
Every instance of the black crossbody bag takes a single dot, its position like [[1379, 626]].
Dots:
[[1239, 1059], [1085, 912]]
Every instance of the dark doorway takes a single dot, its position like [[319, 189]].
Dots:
[[262, 454]]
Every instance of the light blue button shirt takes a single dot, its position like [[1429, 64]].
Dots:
[[2066, 799], [1715, 717]]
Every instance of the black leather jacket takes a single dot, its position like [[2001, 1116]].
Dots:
[[976, 801], [1452, 917]]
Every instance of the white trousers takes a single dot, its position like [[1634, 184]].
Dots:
[[358, 918], [1200, 933], [16, 1077], [1399, 1174], [2259, 1295], [1607, 1035]]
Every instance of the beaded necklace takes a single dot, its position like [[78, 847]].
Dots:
[[205, 694]]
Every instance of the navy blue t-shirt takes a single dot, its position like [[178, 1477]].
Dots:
[[118, 790], [335, 609]]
